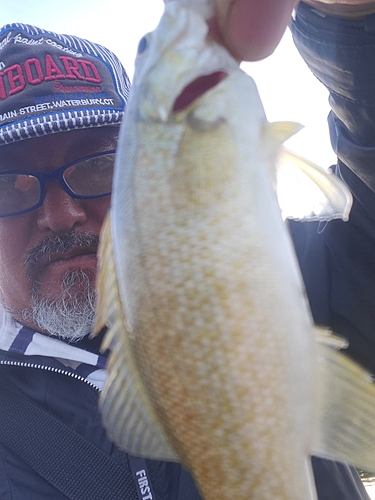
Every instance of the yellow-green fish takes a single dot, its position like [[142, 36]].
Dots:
[[214, 361]]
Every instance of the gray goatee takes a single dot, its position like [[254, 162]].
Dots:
[[69, 316]]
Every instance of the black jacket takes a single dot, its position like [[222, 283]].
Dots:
[[75, 403]]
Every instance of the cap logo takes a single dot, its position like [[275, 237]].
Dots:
[[34, 71]]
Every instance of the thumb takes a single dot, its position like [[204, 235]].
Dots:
[[252, 29]]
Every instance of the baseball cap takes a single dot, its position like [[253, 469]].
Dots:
[[53, 83]]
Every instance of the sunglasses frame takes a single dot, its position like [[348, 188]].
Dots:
[[57, 174]]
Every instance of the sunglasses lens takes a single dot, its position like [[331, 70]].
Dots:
[[18, 192], [91, 177]]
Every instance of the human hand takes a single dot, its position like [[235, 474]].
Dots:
[[251, 29], [351, 9]]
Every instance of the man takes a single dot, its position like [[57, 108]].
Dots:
[[61, 103]]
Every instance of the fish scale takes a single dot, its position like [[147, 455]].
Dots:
[[213, 359]]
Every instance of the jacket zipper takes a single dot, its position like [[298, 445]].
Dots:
[[49, 369]]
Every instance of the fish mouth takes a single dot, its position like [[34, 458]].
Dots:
[[197, 88]]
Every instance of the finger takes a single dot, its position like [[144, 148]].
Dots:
[[251, 29]]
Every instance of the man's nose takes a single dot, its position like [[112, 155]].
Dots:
[[59, 211]]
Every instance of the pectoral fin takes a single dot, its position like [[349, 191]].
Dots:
[[128, 415], [308, 192], [279, 132], [346, 409]]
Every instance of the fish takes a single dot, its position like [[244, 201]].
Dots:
[[214, 358]]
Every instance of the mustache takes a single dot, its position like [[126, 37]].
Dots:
[[58, 244]]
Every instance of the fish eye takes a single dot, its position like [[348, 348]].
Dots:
[[142, 45]]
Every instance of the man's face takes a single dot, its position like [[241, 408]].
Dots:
[[31, 262]]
